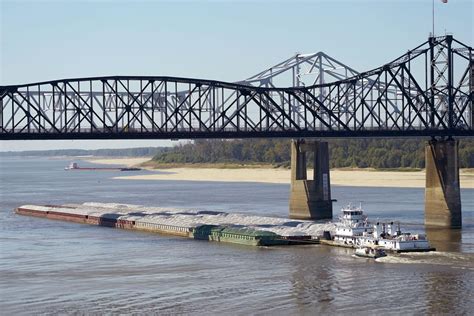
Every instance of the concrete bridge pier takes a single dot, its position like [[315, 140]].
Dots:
[[310, 199], [442, 190]]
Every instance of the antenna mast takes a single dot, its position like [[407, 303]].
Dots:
[[432, 34]]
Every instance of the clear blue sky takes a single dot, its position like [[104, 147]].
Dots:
[[224, 40]]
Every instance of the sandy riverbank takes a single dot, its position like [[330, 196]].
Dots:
[[363, 178], [345, 177], [126, 162]]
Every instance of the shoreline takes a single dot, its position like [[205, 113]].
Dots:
[[122, 161], [264, 174]]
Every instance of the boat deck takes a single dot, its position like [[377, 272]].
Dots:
[[336, 244]]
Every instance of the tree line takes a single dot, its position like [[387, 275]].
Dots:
[[360, 153]]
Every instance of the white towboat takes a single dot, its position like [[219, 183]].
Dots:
[[370, 252], [353, 225], [354, 230], [72, 166]]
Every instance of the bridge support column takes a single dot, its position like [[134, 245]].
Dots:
[[442, 190], [310, 199]]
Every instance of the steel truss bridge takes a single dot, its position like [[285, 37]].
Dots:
[[426, 92]]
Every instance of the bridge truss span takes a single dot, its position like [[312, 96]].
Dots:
[[426, 92]]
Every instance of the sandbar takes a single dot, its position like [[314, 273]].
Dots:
[[342, 177], [126, 162]]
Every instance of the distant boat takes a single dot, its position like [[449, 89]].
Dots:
[[75, 166], [72, 166]]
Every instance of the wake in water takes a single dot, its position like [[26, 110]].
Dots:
[[453, 259]]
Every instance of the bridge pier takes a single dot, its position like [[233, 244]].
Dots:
[[442, 190], [310, 199]]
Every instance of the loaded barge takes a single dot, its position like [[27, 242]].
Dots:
[[200, 225], [352, 230]]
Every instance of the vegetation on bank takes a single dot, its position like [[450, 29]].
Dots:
[[153, 164], [380, 154], [360, 153]]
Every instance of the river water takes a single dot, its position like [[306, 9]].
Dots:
[[59, 267]]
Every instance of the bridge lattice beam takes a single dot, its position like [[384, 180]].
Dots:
[[425, 92]]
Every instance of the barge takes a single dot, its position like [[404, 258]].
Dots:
[[74, 166], [236, 235], [200, 225]]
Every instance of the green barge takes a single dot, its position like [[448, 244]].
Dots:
[[237, 235]]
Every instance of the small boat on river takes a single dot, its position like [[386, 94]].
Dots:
[[370, 252]]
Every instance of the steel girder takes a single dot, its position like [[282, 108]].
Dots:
[[426, 92]]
